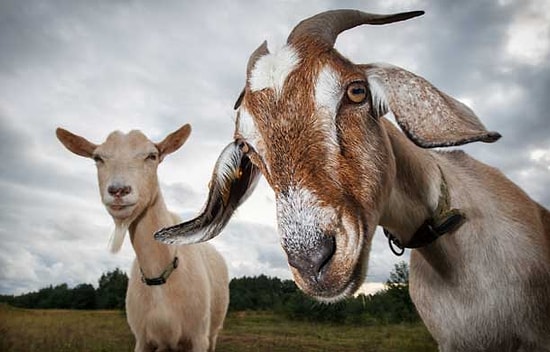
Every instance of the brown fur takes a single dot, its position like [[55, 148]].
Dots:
[[339, 169], [379, 177]]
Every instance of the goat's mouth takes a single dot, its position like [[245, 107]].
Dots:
[[340, 270], [329, 287], [120, 210]]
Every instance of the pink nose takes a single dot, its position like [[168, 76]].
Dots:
[[119, 191]]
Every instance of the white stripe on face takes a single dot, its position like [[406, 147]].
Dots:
[[328, 90], [271, 70], [328, 94]]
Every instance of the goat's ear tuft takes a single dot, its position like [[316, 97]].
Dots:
[[429, 117], [173, 141], [74, 143], [379, 101]]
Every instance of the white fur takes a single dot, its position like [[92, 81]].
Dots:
[[246, 128], [378, 94], [299, 217], [117, 237], [271, 70], [328, 94], [328, 90]]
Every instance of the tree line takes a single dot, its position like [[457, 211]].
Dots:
[[391, 305], [110, 294]]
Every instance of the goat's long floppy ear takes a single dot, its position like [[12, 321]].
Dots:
[[429, 117], [76, 144], [233, 180], [173, 141]]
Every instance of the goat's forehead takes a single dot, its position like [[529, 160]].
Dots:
[[118, 141], [272, 70], [291, 69]]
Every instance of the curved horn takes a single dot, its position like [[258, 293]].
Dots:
[[326, 26], [233, 180]]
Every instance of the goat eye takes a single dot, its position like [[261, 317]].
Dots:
[[357, 92], [98, 159], [151, 156]]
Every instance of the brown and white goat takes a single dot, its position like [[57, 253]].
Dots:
[[177, 297], [312, 123]]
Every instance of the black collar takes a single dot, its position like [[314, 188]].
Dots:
[[163, 277], [443, 221]]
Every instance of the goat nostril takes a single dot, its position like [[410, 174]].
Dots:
[[119, 191], [327, 251], [126, 190], [312, 261]]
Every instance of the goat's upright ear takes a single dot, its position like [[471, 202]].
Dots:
[[429, 117], [233, 180], [76, 144], [173, 141]]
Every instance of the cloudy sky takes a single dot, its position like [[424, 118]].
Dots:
[[96, 66]]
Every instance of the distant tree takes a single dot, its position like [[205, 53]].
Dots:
[[111, 293], [399, 277], [9, 299], [394, 304], [258, 293], [54, 297], [83, 297]]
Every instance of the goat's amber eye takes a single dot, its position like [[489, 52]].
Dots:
[[151, 156], [357, 92]]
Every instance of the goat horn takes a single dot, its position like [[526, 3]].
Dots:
[[326, 26]]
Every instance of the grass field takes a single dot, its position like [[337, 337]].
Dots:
[[24, 330]]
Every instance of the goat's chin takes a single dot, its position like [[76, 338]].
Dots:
[[340, 279]]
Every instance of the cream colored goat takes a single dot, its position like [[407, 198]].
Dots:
[[177, 296], [312, 123]]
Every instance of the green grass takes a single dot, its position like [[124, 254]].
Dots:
[[23, 330]]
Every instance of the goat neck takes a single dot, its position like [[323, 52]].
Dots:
[[152, 256], [415, 195]]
